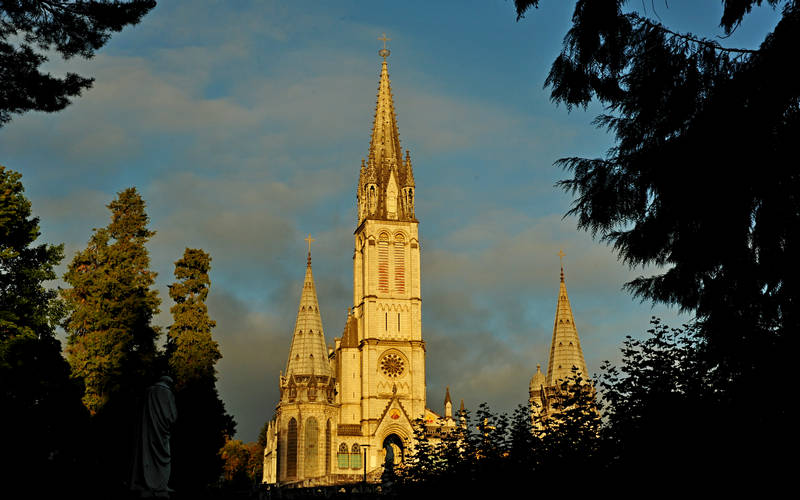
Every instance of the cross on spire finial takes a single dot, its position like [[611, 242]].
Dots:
[[561, 255], [310, 240], [384, 52]]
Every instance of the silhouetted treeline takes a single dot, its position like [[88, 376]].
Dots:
[[661, 421]]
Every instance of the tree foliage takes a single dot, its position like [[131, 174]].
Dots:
[[660, 418], [242, 463], [203, 425], [30, 29], [191, 350], [494, 454], [703, 178], [34, 377], [702, 183], [111, 343]]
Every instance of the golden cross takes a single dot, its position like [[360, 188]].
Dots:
[[310, 240], [561, 255], [384, 39]]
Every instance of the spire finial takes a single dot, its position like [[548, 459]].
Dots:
[[310, 240], [384, 52], [561, 255]]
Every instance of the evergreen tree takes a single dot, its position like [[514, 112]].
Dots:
[[702, 183], [41, 411], [203, 424], [682, 187], [111, 344], [28, 30], [191, 350]]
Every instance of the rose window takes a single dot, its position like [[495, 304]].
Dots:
[[392, 365]]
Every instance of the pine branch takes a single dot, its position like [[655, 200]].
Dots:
[[636, 18]]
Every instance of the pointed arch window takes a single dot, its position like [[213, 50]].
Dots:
[[328, 447], [312, 447], [343, 457], [355, 456], [291, 449], [399, 263]]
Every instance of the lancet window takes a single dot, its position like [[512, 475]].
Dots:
[[291, 449], [311, 458]]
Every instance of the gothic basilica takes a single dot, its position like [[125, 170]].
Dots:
[[350, 408]]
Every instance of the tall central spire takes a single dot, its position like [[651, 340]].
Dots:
[[386, 184], [385, 141]]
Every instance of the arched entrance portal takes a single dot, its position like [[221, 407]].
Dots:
[[394, 450]]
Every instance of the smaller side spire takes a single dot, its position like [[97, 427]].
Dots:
[[308, 353], [565, 348]]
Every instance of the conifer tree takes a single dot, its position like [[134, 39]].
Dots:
[[34, 377], [203, 424], [192, 351], [111, 344]]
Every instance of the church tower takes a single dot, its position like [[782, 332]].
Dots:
[[302, 433], [358, 400], [380, 359]]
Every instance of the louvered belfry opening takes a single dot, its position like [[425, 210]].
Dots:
[[399, 263], [383, 263]]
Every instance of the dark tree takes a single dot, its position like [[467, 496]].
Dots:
[[203, 424], [567, 440], [30, 28], [41, 413], [702, 182], [110, 341]]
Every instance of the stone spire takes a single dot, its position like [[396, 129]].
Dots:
[[384, 144], [308, 354], [565, 350], [386, 181]]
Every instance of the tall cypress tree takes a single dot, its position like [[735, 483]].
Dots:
[[111, 344], [41, 411], [203, 423]]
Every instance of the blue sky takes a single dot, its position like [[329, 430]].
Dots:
[[243, 125]]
